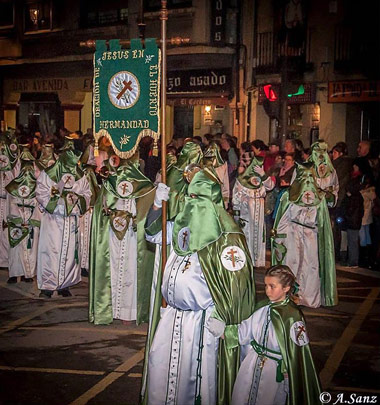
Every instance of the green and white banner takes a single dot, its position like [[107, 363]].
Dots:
[[126, 94]]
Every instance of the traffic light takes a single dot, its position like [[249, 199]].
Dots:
[[271, 100], [270, 93], [297, 91]]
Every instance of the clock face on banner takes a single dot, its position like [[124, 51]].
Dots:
[[124, 90]]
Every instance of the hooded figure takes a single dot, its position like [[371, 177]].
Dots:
[[212, 158], [248, 202], [207, 284], [302, 238], [88, 165], [64, 194], [9, 169], [325, 174], [121, 261], [23, 220], [46, 159], [191, 153]]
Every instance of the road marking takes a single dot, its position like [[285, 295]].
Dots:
[[344, 342], [16, 323], [135, 375], [109, 379], [52, 370], [94, 330]]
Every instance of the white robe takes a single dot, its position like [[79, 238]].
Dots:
[[23, 261], [251, 203], [57, 267], [5, 178], [329, 183], [173, 365], [256, 381], [123, 266]]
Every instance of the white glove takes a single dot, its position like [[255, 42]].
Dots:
[[259, 170], [215, 326], [162, 194]]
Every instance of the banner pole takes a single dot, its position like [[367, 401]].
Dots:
[[163, 18]]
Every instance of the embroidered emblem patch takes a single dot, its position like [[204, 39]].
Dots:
[[72, 198], [184, 238], [16, 233], [233, 258], [13, 147], [308, 197], [322, 168], [4, 161], [123, 90], [23, 191], [298, 334], [68, 180], [119, 223], [124, 188], [255, 181], [114, 161]]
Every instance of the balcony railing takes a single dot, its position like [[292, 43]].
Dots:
[[270, 53]]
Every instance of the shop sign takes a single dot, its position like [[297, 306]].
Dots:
[[193, 101], [199, 80], [126, 94], [354, 91], [49, 85]]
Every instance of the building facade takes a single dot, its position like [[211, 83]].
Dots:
[[46, 76], [321, 59]]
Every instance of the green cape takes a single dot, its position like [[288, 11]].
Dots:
[[305, 182], [9, 149], [212, 157], [297, 361], [100, 299]]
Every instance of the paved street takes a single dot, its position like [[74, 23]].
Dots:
[[51, 355]]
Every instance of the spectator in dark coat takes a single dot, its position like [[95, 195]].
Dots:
[[353, 211]]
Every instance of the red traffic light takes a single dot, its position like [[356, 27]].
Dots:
[[270, 94]]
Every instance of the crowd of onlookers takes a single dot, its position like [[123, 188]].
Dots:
[[355, 218]]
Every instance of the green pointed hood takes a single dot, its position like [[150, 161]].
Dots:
[[24, 185], [212, 156], [190, 154], [249, 178], [203, 219], [47, 157], [66, 163], [304, 190], [8, 153], [321, 159]]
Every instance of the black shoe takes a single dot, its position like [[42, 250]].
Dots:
[[45, 294], [26, 280], [65, 293], [83, 272], [12, 280]]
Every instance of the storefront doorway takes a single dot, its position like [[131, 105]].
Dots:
[[40, 112], [184, 122]]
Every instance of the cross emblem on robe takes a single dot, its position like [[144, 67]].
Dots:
[[124, 188], [187, 264], [119, 222], [300, 329], [232, 253], [307, 195], [23, 190], [3, 161], [184, 239], [127, 86]]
